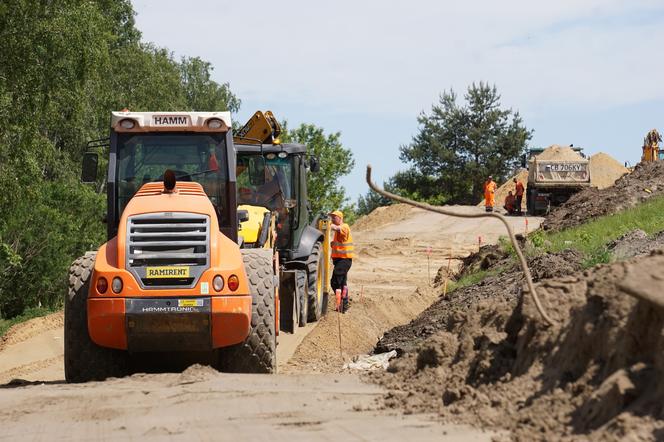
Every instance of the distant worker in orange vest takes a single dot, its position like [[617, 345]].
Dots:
[[342, 257], [519, 195], [489, 194]]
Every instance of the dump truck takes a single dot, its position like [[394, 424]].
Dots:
[[273, 175], [176, 274], [552, 182]]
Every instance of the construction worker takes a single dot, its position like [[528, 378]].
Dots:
[[519, 189], [342, 256], [510, 201], [489, 194]]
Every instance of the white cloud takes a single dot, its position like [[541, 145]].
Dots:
[[369, 67], [395, 58]]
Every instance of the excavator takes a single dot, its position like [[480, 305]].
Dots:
[[186, 269], [651, 150], [272, 176]]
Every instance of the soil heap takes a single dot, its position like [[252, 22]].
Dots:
[[484, 354], [646, 181], [605, 170], [557, 152], [381, 216]]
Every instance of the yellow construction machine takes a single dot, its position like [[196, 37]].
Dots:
[[210, 251], [272, 185], [651, 150]]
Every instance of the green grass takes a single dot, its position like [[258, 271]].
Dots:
[[592, 238], [472, 279], [30, 313]]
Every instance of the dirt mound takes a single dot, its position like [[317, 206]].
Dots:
[[635, 243], [605, 170], [557, 152], [381, 216], [506, 281], [28, 329], [485, 356], [646, 181]]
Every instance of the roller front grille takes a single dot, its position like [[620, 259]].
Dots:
[[168, 250]]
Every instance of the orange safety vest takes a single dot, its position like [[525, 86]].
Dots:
[[342, 243], [519, 188], [489, 193]]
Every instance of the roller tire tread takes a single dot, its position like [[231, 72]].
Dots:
[[84, 360], [257, 354]]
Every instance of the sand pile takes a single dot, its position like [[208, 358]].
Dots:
[[646, 181], [381, 216], [605, 170], [484, 355], [556, 152]]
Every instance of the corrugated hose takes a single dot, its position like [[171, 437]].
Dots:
[[510, 232]]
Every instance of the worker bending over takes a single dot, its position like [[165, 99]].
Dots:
[[510, 202], [489, 194], [342, 257]]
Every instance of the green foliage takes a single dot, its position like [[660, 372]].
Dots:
[[201, 92], [63, 67], [458, 146], [325, 192], [472, 279], [592, 238], [371, 201]]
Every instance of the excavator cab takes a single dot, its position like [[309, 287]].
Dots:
[[302, 246]]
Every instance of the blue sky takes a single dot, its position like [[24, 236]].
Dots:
[[583, 72]]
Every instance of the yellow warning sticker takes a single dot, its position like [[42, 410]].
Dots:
[[167, 272], [190, 303]]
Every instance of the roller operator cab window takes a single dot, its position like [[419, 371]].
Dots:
[[143, 158]]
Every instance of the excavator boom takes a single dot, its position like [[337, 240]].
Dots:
[[262, 128]]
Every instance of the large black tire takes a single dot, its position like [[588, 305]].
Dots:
[[84, 360], [315, 288], [530, 202], [258, 352]]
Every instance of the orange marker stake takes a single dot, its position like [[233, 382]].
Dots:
[[337, 295], [526, 226]]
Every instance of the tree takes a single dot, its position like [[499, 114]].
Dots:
[[325, 192], [64, 65], [203, 94], [458, 146]]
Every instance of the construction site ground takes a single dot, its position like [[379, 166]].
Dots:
[[399, 252]]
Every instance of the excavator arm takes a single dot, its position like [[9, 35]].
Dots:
[[262, 128]]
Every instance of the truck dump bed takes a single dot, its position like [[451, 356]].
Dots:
[[559, 173]]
